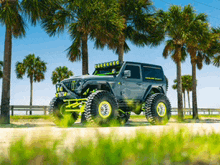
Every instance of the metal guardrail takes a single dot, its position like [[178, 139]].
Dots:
[[27, 108], [44, 109], [201, 111]]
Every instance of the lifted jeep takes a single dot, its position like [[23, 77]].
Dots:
[[114, 91]]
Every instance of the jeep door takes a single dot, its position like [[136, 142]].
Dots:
[[152, 76], [131, 87]]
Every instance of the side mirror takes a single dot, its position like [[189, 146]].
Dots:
[[127, 73]]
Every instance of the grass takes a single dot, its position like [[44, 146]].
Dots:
[[146, 148], [46, 117], [175, 116]]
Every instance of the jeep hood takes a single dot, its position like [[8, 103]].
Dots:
[[90, 77]]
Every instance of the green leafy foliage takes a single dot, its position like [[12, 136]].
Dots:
[[84, 19], [60, 73], [142, 27]]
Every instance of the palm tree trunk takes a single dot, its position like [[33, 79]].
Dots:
[[5, 102], [121, 49], [179, 87], [188, 98], [184, 99], [85, 64], [31, 94], [195, 110]]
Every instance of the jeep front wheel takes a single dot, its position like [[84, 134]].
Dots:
[[101, 107], [57, 109], [157, 109]]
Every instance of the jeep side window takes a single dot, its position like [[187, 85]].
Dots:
[[135, 71], [152, 73]]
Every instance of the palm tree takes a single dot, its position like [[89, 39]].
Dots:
[[1, 66], [35, 70], [184, 85], [141, 27], [188, 83], [84, 19], [197, 45], [60, 73], [176, 26], [11, 16]]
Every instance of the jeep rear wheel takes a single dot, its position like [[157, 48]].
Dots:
[[57, 109], [157, 109], [101, 107]]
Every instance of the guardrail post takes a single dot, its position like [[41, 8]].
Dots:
[[209, 111], [12, 110], [45, 112]]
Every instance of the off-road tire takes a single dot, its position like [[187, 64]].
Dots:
[[54, 109], [92, 111], [123, 117], [151, 109]]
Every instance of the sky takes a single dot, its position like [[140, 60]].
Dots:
[[52, 51]]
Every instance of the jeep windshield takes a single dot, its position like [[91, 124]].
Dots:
[[109, 71]]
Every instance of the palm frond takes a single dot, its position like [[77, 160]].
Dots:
[[98, 44], [18, 29], [74, 51], [183, 54], [216, 61], [169, 48], [20, 70], [199, 60]]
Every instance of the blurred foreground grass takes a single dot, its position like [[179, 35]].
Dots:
[[181, 147]]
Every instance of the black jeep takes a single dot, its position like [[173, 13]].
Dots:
[[113, 91]]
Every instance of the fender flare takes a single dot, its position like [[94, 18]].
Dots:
[[99, 84], [150, 88]]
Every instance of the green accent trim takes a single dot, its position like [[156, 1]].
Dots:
[[100, 74], [121, 111], [75, 100], [74, 105], [153, 78], [86, 92], [74, 110]]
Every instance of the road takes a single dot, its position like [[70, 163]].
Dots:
[[38, 129]]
